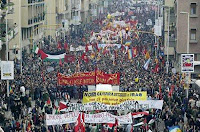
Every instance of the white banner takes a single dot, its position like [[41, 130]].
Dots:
[[103, 117], [7, 70], [61, 118], [106, 117], [127, 105], [124, 119], [80, 48]]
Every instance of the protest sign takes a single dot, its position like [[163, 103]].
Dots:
[[89, 78], [103, 117], [112, 98], [127, 105], [61, 119], [106, 117]]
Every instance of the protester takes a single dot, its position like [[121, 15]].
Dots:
[[35, 92]]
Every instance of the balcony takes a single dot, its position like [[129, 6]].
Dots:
[[34, 1], [36, 19], [12, 32]]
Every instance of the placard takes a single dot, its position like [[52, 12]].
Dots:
[[187, 62], [7, 70]]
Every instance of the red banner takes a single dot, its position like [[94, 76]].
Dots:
[[89, 78]]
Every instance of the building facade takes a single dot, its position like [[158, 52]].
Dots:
[[188, 9]]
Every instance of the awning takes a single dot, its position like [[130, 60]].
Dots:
[[196, 62]]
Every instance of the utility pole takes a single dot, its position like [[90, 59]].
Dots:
[[7, 48]]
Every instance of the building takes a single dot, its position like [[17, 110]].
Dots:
[[6, 9], [35, 19], [169, 25], [188, 9]]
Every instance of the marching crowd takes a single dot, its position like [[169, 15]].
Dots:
[[38, 81]]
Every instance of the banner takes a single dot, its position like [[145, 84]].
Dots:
[[124, 119], [89, 78], [62, 118], [103, 117], [127, 105], [106, 117], [112, 98]]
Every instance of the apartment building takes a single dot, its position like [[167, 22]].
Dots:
[[188, 9], [169, 28], [34, 19], [7, 8]]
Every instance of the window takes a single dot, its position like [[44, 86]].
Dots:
[[193, 9], [193, 34]]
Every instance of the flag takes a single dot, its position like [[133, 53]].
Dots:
[[62, 106], [140, 114], [134, 49], [146, 65], [92, 55], [130, 55], [59, 45], [171, 90], [84, 57], [60, 63], [156, 69], [66, 46], [69, 58], [128, 43], [10, 89], [42, 54], [137, 35], [49, 101], [42, 74], [174, 129], [80, 125], [86, 48], [35, 49], [147, 55], [160, 91]]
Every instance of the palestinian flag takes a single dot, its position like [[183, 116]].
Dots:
[[62, 106], [48, 57], [140, 114]]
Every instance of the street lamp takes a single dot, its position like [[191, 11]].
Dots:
[[188, 44]]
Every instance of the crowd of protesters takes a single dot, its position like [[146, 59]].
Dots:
[[37, 83]]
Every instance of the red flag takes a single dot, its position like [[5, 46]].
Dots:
[[66, 46], [134, 53], [60, 62], [69, 58], [42, 54], [171, 90], [156, 69], [59, 45], [160, 91], [62, 106], [48, 101], [86, 48], [79, 126], [42, 76], [84, 57]]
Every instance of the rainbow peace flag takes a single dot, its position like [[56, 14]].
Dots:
[[128, 43], [130, 55], [174, 129]]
